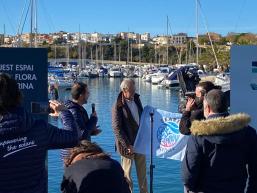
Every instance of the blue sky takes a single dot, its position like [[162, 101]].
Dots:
[[140, 16]]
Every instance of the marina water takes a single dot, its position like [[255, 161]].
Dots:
[[103, 92]]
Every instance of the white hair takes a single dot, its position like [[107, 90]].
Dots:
[[126, 84]]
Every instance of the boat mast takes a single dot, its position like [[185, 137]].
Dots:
[[85, 54], [155, 54], [4, 34], [115, 52], [139, 49], [55, 53], [102, 54], [131, 56], [167, 40], [68, 54], [33, 24], [119, 52], [96, 55], [128, 49], [79, 51], [91, 54], [197, 36]]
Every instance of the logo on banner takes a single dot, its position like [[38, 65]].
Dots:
[[168, 133], [254, 77]]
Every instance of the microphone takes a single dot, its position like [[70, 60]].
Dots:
[[93, 107]]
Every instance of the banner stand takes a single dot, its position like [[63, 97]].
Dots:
[[151, 153]]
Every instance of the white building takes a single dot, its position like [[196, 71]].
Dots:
[[161, 40], [175, 40], [96, 37], [145, 37], [178, 39]]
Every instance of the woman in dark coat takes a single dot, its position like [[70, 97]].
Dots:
[[90, 170], [24, 142]]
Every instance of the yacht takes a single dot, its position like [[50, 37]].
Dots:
[[115, 72]]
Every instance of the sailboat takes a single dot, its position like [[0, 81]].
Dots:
[[166, 79]]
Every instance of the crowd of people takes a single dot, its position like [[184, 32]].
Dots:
[[221, 154]]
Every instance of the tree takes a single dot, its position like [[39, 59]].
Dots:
[[207, 57], [203, 39]]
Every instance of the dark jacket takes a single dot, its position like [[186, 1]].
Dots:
[[84, 123], [124, 126], [187, 118], [23, 150], [94, 176], [217, 154]]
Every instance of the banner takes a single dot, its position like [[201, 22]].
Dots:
[[244, 81], [28, 66], [168, 142]]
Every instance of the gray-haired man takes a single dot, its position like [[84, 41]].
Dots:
[[126, 114]]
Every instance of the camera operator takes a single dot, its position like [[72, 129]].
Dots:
[[194, 106], [24, 142]]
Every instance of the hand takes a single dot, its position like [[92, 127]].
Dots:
[[190, 104], [94, 114], [95, 131], [57, 107], [130, 150]]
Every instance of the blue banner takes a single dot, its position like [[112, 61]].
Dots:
[[28, 66], [168, 142]]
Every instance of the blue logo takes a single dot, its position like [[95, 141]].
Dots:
[[254, 67], [168, 134], [253, 84]]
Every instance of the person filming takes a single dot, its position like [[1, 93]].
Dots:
[[194, 106], [24, 142]]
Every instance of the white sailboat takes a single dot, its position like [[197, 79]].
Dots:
[[115, 72]]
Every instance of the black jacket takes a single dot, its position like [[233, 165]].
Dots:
[[94, 175], [23, 150], [187, 118], [84, 123], [217, 154]]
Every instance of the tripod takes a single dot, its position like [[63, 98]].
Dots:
[[151, 153]]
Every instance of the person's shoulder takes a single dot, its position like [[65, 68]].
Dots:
[[114, 104], [197, 114], [70, 104], [82, 165], [137, 95], [114, 162], [117, 104], [196, 139], [251, 131]]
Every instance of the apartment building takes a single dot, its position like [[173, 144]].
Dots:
[[145, 37], [175, 40], [178, 39]]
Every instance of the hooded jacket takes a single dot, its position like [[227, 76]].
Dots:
[[23, 149], [217, 154]]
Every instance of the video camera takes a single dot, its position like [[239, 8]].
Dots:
[[188, 79]]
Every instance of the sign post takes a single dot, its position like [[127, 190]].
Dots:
[[244, 81]]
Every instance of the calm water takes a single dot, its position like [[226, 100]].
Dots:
[[103, 92]]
